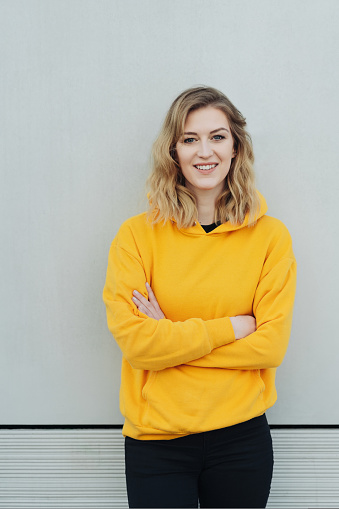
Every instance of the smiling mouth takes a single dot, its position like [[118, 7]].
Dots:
[[205, 168]]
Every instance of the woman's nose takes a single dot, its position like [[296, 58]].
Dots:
[[205, 149]]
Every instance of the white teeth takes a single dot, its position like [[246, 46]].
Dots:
[[205, 167]]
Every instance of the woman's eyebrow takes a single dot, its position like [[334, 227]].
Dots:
[[214, 131], [220, 129]]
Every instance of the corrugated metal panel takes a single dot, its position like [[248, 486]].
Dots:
[[85, 469], [62, 469], [306, 469]]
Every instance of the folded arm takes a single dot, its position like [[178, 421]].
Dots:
[[273, 307], [243, 325], [265, 345], [257, 348], [148, 343]]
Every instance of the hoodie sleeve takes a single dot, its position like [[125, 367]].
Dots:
[[147, 343], [272, 308]]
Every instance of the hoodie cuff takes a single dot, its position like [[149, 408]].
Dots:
[[220, 332]]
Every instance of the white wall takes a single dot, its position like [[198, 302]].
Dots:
[[85, 85]]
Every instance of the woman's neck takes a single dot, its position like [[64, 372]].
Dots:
[[205, 215], [206, 206]]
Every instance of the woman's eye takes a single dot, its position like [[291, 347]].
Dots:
[[218, 137], [188, 140]]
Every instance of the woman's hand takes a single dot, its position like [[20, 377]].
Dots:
[[243, 325], [149, 307]]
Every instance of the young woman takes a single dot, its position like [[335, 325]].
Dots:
[[199, 296]]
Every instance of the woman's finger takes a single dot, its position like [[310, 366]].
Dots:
[[145, 302], [151, 296], [149, 307], [144, 309], [154, 302]]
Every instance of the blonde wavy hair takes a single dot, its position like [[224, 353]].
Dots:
[[169, 198]]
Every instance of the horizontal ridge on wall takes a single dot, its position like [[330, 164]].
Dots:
[[84, 468], [120, 426]]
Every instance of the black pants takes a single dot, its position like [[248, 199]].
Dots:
[[229, 467]]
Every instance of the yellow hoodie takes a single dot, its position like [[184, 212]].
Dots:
[[187, 373]]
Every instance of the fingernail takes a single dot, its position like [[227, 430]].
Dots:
[[147, 284]]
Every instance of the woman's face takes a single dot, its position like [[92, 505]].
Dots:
[[205, 150]]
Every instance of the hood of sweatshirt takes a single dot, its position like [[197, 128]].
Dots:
[[197, 229]]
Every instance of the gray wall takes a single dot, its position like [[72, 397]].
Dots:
[[85, 85]]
